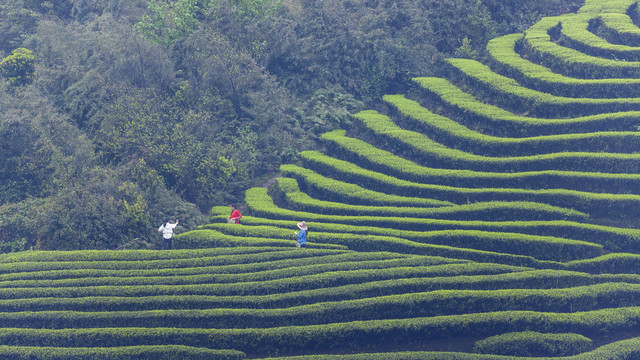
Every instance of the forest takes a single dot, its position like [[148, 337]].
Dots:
[[118, 113]]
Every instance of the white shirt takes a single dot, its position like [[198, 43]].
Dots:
[[167, 231]]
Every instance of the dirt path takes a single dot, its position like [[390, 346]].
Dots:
[[270, 181]]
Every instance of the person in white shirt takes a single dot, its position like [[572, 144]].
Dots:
[[167, 232]]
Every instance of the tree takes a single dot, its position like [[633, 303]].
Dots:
[[18, 68], [245, 10], [16, 23], [367, 47], [60, 8], [171, 140], [84, 67], [170, 21]]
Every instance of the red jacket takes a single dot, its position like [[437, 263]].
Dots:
[[236, 214]]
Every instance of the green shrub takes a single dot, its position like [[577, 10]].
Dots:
[[140, 352], [260, 203], [258, 254], [350, 336], [540, 47], [619, 28], [540, 247], [621, 350], [411, 305], [596, 204], [576, 34], [504, 56], [605, 6], [287, 189], [480, 186], [275, 281], [619, 263], [423, 178], [19, 67], [484, 114], [530, 343], [612, 238], [282, 259], [357, 194], [422, 147], [454, 134], [278, 296], [124, 256], [198, 239], [515, 96]]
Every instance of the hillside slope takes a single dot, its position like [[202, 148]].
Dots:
[[491, 214]]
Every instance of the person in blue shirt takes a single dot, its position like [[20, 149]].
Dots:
[[302, 235]]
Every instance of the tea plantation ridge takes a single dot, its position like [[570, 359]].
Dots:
[[489, 214]]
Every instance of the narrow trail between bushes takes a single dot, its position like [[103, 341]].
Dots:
[[267, 184]]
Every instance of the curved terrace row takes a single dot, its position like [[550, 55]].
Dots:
[[496, 202]]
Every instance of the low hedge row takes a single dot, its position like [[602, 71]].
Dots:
[[612, 238], [282, 284], [140, 352], [262, 205], [484, 114], [531, 343], [620, 350], [420, 146], [453, 134], [208, 239], [536, 279], [359, 195], [595, 204], [350, 336], [577, 35], [288, 190], [464, 185], [569, 61], [360, 152], [336, 190], [269, 254], [510, 94], [309, 258], [619, 28], [504, 55], [125, 255], [617, 263], [606, 6], [540, 247], [292, 269], [397, 306]]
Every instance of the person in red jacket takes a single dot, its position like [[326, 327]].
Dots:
[[235, 214]]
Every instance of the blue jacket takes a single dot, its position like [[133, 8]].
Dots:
[[302, 237]]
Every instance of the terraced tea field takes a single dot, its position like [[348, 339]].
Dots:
[[491, 213]]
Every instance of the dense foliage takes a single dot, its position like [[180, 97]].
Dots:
[[118, 113], [487, 211]]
